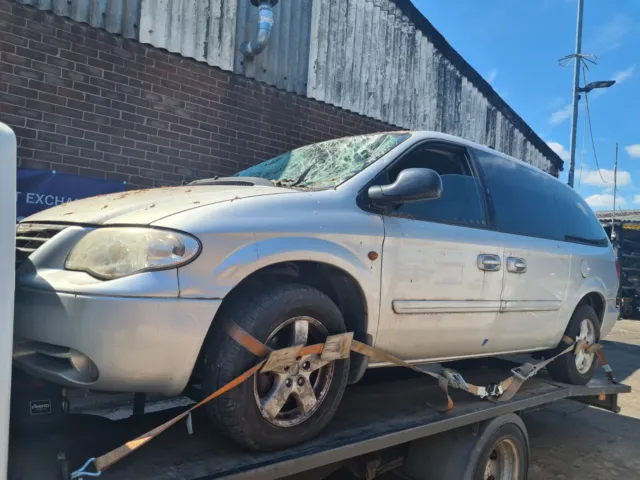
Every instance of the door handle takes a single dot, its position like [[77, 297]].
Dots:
[[516, 265], [490, 263]]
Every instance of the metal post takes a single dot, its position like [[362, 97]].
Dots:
[[7, 264], [576, 95], [615, 188]]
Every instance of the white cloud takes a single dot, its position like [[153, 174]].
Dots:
[[611, 35], [560, 150], [620, 77], [633, 150], [636, 199], [493, 74], [561, 115], [591, 177], [604, 200]]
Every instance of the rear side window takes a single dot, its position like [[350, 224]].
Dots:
[[522, 200], [579, 223]]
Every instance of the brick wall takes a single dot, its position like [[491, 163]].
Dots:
[[87, 102]]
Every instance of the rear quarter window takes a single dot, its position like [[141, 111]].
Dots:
[[530, 202], [579, 223]]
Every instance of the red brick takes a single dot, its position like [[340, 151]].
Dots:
[[78, 105], [81, 143], [12, 99], [101, 64], [90, 172], [47, 68], [83, 87], [9, 79], [64, 149], [35, 144], [24, 133], [51, 137], [70, 93], [89, 70], [111, 107], [105, 147], [43, 87], [32, 54], [47, 48], [84, 50], [103, 166], [15, 59], [73, 56]]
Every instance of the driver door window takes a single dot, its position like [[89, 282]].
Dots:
[[462, 200], [436, 302]]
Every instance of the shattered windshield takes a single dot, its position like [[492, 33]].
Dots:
[[326, 164]]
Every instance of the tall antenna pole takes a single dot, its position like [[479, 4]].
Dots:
[[576, 95], [615, 188]]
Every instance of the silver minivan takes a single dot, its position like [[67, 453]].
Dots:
[[425, 245]]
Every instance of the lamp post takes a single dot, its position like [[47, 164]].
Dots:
[[578, 57], [599, 84], [574, 122]]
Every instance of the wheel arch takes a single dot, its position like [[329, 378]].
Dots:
[[596, 301], [338, 284]]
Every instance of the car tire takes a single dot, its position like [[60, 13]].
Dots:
[[273, 316], [571, 368]]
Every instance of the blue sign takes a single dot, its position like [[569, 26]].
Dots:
[[42, 189]]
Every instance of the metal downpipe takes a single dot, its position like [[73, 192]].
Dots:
[[258, 43]]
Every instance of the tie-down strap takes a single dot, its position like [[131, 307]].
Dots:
[[337, 347]]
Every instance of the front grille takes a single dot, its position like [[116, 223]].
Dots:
[[31, 236]]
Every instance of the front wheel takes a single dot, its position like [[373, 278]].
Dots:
[[577, 369], [276, 410]]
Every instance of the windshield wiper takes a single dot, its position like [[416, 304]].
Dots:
[[298, 180]]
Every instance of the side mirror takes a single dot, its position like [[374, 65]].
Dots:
[[412, 184]]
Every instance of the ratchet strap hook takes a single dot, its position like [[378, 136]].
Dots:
[[81, 472]]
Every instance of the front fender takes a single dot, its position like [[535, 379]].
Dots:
[[214, 278], [252, 258]]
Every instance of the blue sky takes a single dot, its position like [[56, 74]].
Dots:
[[516, 45]]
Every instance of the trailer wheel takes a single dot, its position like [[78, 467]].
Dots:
[[276, 410], [504, 456], [497, 450], [577, 369]]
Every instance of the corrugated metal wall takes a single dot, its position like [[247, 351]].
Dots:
[[368, 57], [200, 29], [115, 16], [285, 61]]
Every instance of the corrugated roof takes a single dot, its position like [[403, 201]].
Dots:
[[622, 216], [383, 59], [285, 60], [200, 29], [115, 16]]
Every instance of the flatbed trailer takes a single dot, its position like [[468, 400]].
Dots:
[[383, 423]]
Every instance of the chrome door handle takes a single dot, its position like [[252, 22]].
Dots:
[[490, 263], [516, 265]]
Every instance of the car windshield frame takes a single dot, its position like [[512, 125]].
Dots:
[[307, 167]]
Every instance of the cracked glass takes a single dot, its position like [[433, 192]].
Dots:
[[326, 164]]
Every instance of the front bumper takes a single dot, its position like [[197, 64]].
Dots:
[[106, 343]]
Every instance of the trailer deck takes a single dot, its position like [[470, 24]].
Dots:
[[387, 409]]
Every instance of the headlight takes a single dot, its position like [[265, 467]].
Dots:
[[109, 253]]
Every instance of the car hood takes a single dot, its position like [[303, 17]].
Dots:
[[147, 206]]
